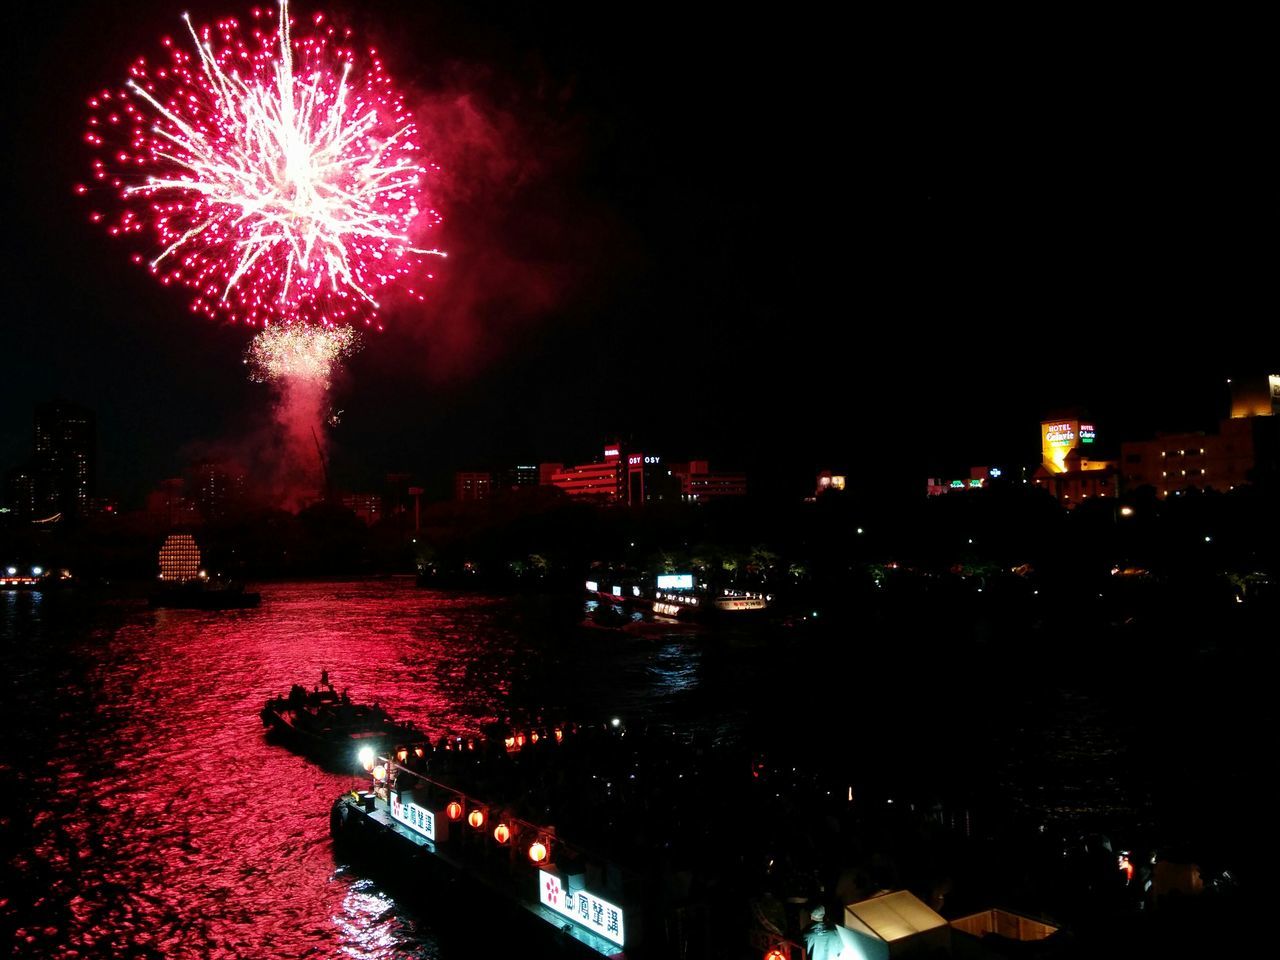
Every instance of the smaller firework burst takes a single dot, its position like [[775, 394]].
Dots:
[[299, 352]]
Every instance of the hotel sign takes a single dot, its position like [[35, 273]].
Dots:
[[1087, 434], [1059, 434], [416, 818], [586, 909]]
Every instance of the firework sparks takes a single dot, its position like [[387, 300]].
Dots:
[[299, 353], [278, 176]]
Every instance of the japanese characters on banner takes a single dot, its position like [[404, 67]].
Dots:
[[588, 910], [416, 818]]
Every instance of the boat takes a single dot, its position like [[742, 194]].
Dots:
[[327, 726], [204, 595]]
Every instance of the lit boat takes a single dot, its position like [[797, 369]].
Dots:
[[326, 725]]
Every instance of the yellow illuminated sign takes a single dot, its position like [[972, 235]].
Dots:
[[1057, 439]]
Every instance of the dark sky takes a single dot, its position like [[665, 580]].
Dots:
[[760, 235]]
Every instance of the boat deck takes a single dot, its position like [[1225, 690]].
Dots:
[[498, 882]]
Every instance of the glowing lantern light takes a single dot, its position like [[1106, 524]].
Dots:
[[402, 754], [454, 810], [777, 953], [501, 833], [533, 738], [510, 743], [379, 772], [559, 735], [519, 739], [538, 851], [476, 818], [418, 751], [366, 757]]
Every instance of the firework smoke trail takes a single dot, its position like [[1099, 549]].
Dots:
[[280, 178]]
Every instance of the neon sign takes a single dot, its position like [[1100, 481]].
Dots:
[[1059, 434], [675, 581], [586, 909], [1087, 434]]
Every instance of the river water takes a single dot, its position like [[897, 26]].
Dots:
[[145, 815]]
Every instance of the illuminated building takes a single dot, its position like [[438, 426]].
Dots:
[[1067, 468], [1255, 396], [979, 479], [63, 465], [1244, 450], [169, 506], [698, 484], [828, 482], [366, 506], [468, 487], [598, 481], [217, 489], [520, 476], [20, 492], [179, 558], [649, 480]]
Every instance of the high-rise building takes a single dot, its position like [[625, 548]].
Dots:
[[64, 463], [217, 489], [471, 486], [20, 492]]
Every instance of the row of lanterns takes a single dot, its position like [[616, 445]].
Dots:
[[538, 850]]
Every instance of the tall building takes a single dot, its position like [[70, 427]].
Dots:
[[649, 480], [20, 492], [472, 486], [217, 489], [64, 465]]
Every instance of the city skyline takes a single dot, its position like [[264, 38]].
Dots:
[[910, 252]]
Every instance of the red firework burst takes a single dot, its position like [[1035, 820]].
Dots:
[[278, 176]]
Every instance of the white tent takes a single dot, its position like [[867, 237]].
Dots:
[[893, 925]]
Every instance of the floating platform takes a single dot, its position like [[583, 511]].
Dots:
[[553, 904]]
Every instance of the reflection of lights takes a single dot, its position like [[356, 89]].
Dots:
[[363, 922]]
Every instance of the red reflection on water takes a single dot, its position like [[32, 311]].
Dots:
[[168, 825]]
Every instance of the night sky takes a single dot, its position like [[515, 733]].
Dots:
[[764, 236]]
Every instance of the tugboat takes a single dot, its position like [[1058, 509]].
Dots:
[[327, 726]]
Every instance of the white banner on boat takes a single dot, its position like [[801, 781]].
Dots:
[[416, 818], [598, 916]]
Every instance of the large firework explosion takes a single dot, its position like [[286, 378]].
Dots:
[[278, 176]]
